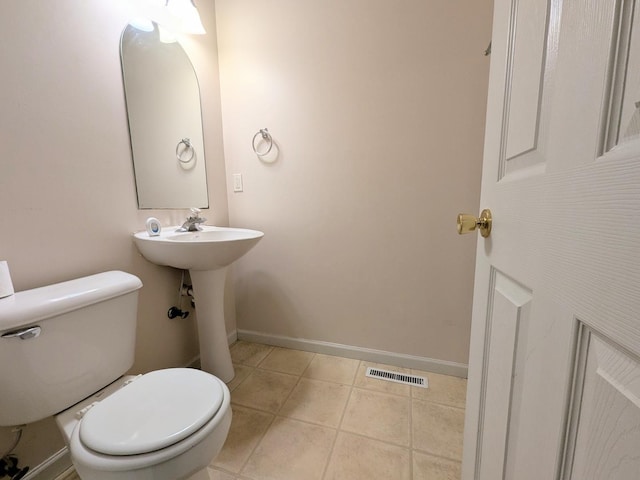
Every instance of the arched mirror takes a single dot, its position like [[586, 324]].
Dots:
[[165, 121]]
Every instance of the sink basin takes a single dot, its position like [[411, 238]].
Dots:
[[206, 254], [209, 249]]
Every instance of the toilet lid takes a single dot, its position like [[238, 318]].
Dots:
[[156, 410]]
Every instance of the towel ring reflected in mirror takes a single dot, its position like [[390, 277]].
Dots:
[[187, 147]]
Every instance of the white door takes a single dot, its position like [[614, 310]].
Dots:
[[554, 374]]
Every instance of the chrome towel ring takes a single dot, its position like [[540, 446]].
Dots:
[[187, 146], [266, 136]]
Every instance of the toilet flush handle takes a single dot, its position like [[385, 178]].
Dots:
[[24, 333]]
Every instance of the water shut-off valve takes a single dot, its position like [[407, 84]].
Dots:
[[9, 468], [185, 291]]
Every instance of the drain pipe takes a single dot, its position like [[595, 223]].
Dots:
[[17, 435], [187, 291], [184, 291], [8, 462]]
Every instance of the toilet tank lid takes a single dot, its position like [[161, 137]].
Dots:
[[29, 306], [155, 411]]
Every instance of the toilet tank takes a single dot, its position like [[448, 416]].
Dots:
[[86, 340]]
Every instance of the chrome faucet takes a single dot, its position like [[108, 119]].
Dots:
[[192, 224]]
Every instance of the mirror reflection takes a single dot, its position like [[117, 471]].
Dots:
[[165, 120]]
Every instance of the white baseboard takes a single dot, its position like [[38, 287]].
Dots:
[[359, 353], [232, 337], [52, 467]]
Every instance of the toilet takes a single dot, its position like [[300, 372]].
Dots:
[[64, 350]]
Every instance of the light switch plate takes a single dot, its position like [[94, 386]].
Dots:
[[237, 182]]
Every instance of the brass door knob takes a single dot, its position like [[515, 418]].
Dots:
[[468, 223]]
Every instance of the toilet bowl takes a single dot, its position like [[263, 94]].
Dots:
[[166, 424], [64, 349]]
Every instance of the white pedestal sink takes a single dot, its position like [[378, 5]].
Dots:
[[206, 254]]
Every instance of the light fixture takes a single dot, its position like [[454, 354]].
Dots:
[[177, 16], [187, 18]]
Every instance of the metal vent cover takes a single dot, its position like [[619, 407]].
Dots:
[[396, 377]]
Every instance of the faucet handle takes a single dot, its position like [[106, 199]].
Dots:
[[195, 216]]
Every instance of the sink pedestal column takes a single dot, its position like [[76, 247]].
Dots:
[[208, 292]]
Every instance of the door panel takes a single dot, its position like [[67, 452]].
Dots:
[[509, 313], [622, 118], [525, 65], [603, 439], [587, 31], [525, 76]]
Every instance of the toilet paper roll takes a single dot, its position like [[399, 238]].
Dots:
[[6, 286]]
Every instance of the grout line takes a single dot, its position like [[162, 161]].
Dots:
[[411, 428], [271, 349], [440, 404], [339, 427], [244, 379], [309, 364], [373, 439], [244, 464], [436, 455], [284, 402]]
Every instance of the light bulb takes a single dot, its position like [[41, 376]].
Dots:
[[187, 18], [166, 35]]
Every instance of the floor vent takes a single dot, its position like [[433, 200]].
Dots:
[[397, 377]]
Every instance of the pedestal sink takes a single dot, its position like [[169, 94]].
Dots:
[[206, 254]]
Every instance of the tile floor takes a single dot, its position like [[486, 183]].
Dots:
[[306, 416]]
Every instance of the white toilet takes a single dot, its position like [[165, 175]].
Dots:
[[63, 351]]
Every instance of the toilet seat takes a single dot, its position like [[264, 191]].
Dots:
[[119, 467], [157, 410]]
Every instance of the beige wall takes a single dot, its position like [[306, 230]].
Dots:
[[377, 108], [67, 192]]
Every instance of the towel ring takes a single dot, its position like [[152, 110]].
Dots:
[[266, 136], [187, 146]]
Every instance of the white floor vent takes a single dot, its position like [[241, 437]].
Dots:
[[413, 380]]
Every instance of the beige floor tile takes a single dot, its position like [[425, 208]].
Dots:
[[332, 369], [247, 353], [437, 429], [285, 360], [444, 389], [316, 401], [291, 450], [242, 372], [363, 381], [247, 428], [378, 415], [358, 458], [69, 474], [264, 390], [427, 467], [219, 475]]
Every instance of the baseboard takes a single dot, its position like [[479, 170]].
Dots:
[[52, 467], [232, 337], [359, 353]]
